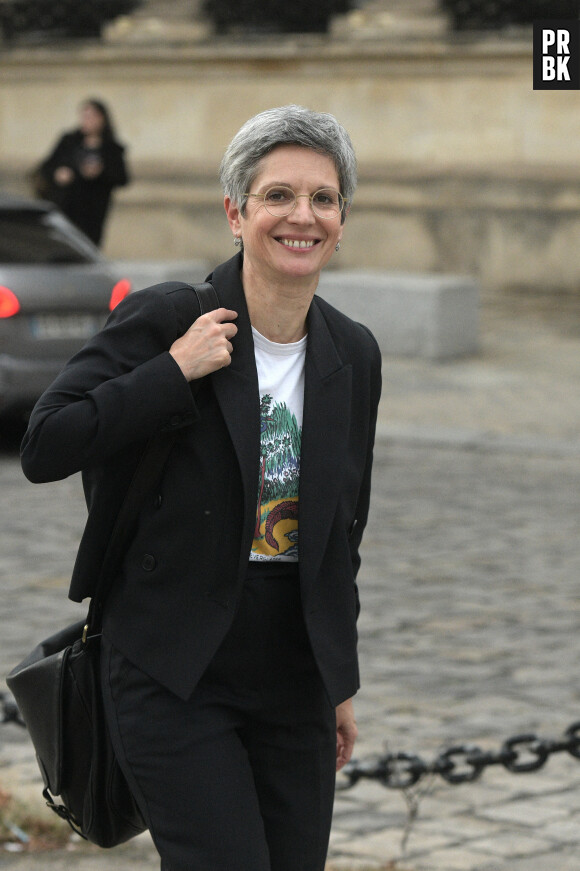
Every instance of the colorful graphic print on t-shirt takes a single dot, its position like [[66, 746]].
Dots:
[[276, 532]]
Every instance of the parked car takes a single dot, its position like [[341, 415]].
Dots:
[[56, 290]]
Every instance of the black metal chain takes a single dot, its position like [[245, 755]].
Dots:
[[462, 763]]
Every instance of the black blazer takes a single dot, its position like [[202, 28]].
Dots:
[[184, 569]]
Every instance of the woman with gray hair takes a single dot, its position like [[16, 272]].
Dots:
[[229, 635]]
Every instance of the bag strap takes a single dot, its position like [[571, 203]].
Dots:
[[147, 472], [206, 296]]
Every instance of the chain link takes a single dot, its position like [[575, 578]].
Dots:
[[462, 763]]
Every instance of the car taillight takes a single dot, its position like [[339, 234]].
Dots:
[[9, 304], [119, 292]]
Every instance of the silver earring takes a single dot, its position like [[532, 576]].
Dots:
[[238, 241], [337, 246]]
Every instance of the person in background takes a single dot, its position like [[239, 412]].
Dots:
[[229, 636], [82, 170]]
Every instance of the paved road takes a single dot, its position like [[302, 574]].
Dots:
[[469, 628]]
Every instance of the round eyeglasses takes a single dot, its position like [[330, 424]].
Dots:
[[280, 201]]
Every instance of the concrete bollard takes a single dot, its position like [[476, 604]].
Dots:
[[431, 316]]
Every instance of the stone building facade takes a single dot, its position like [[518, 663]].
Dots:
[[463, 166]]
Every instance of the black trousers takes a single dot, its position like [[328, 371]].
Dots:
[[241, 776]]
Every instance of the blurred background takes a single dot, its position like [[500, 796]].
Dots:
[[463, 166]]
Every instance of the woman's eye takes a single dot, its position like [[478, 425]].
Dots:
[[278, 196], [325, 198]]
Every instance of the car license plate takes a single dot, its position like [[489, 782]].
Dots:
[[75, 326]]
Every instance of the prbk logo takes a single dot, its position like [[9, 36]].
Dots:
[[557, 55]]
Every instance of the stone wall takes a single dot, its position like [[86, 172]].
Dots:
[[464, 168]]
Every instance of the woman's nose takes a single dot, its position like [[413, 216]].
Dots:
[[302, 211]]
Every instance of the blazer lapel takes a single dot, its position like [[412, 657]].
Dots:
[[236, 390], [325, 428]]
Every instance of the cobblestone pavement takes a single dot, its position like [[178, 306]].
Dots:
[[469, 627]]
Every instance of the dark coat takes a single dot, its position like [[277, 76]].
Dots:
[[86, 200], [184, 570]]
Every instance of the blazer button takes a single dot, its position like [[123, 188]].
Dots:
[[148, 562]]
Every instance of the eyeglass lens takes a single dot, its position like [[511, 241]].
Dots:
[[326, 203]]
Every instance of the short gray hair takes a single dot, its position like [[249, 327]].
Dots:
[[286, 125]]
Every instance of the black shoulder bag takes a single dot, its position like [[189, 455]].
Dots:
[[58, 688]]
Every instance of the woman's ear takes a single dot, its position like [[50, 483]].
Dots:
[[233, 216]]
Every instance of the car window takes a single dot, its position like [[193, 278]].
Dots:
[[39, 237]]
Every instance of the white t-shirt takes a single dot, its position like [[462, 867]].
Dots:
[[281, 385]]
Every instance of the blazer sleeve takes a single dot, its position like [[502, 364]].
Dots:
[[363, 502], [121, 388]]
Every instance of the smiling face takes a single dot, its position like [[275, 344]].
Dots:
[[298, 245]]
